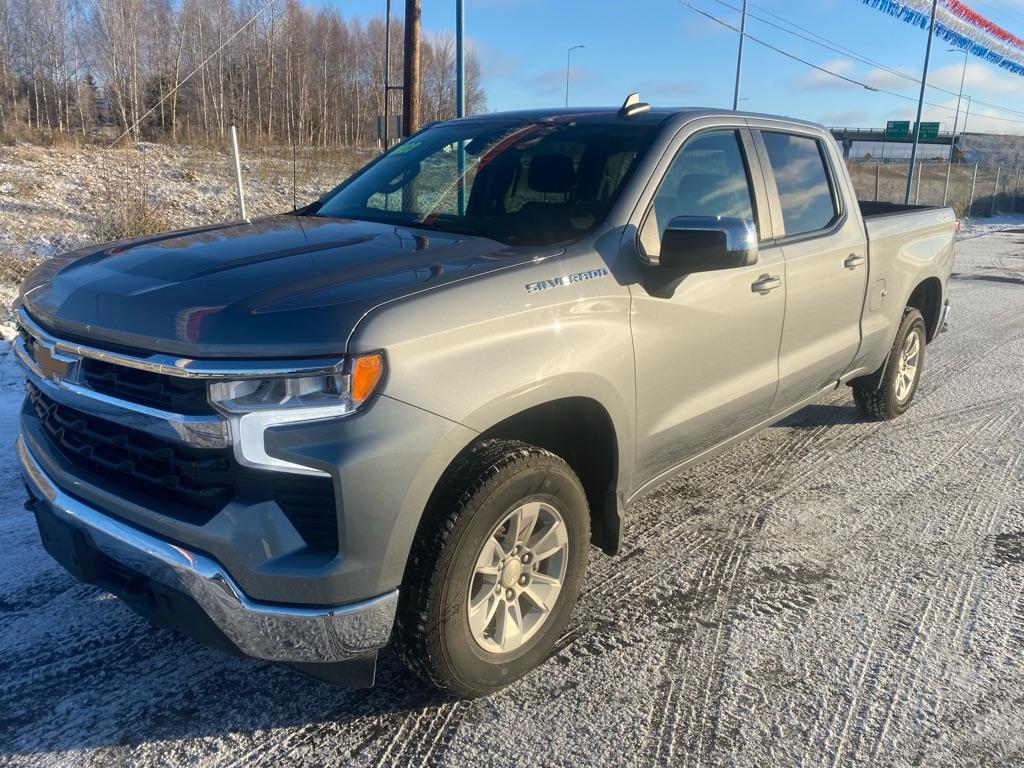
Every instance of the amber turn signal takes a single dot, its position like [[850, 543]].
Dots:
[[367, 371]]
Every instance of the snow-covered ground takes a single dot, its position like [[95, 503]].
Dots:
[[985, 226], [831, 592], [55, 199]]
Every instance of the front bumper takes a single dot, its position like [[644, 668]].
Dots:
[[192, 592]]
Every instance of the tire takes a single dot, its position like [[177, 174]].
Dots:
[[435, 634], [888, 392]]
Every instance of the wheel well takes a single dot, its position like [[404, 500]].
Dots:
[[927, 298], [580, 431]]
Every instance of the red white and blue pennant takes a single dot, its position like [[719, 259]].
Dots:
[[962, 27]]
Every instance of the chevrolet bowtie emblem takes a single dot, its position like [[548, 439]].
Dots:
[[53, 365]]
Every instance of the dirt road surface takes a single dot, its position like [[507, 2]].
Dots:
[[832, 592]]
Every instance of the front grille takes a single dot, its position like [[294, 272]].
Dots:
[[175, 394], [189, 484], [132, 458]]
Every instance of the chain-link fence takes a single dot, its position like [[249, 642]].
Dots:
[[55, 198], [973, 191]]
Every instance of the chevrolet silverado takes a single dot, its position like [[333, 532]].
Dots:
[[403, 413]]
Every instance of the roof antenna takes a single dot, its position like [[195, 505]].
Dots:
[[633, 106]]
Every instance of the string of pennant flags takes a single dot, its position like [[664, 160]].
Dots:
[[961, 27]]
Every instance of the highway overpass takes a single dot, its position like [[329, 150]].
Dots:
[[846, 136]]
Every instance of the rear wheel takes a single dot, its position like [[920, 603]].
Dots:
[[496, 569], [887, 393]]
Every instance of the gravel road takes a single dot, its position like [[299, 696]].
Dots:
[[831, 592]]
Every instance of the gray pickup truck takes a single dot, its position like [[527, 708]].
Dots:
[[402, 414]]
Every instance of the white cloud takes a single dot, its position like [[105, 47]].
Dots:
[[980, 77], [815, 79], [846, 118], [553, 80], [494, 61]]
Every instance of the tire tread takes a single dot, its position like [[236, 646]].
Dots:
[[878, 402], [473, 474]]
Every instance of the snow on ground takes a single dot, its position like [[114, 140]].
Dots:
[[55, 199], [830, 592], [977, 226]]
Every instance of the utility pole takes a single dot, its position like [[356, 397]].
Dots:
[[739, 58], [411, 84], [920, 104]]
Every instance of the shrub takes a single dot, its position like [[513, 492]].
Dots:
[[126, 207]]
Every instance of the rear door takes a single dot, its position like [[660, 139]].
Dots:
[[706, 355], [825, 261]]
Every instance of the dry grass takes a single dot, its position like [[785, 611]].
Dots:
[[132, 217], [14, 269], [127, 208]]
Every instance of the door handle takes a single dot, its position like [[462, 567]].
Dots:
[[766, 284], [853, 261]]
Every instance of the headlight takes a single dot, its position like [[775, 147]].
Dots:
[[343, 390]]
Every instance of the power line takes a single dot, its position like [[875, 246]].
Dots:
[[833, 73], [835, 47], [823, 41], [187, 77], [832, 45]]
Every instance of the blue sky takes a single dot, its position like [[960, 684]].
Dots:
[[673, 56]]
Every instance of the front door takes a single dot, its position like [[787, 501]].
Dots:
[[707, 355]]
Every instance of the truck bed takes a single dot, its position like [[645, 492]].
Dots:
[[873, 209]]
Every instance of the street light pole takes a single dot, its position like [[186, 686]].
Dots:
[[920, 104], [460, 61], [460, 96], [739, 58], [956, 119], [963, 131], [567, 53], [387, 72]]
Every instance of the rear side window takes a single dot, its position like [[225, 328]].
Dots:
[[802, 178]]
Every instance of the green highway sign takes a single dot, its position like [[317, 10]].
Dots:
[[897, 129], [929, 130]]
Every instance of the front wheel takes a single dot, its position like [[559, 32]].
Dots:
[[496, 569], [887, 393]]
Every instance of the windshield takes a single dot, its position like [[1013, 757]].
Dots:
[[522, 183]]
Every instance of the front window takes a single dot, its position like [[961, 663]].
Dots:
[[519, 182], [708, 177]]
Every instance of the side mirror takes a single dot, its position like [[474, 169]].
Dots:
[[706, 243]]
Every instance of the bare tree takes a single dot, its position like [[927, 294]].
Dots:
[[295, 73]]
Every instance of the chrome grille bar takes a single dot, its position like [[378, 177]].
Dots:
[[180, 366]]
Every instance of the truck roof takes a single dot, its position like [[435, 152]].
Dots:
[[653, 116]]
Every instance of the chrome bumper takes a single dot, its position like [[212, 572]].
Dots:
[[272, 632]]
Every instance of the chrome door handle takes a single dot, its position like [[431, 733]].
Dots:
[[766, 284], [853, 261]]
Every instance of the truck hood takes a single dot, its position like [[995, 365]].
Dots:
[[286, 286]]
